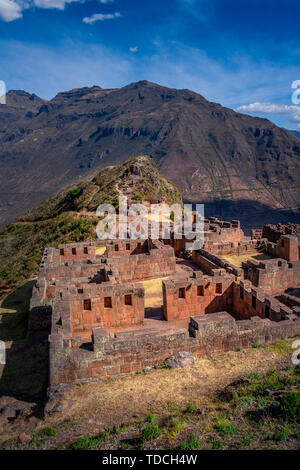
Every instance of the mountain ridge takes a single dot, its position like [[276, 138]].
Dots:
[[232, 162], [70, 215]]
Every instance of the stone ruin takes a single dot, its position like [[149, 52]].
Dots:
[[91, 298]]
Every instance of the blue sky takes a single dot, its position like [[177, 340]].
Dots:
[[240, 53]]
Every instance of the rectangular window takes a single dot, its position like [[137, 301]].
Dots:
[[253, 301], [181, 293], [218, 288], [107, 302], [116, 247], [200, 290], [87, 304], [127, 246], [128, 299], [62, 252], [267, 311], [139, 245], [241, 292], [282, 243], [85, 250], [73, 251]]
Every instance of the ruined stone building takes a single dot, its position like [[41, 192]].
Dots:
[[92, 299]]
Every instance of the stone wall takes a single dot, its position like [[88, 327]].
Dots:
[[273, 276], [287, 247], [112, 357], [107, 304], [197, 296]]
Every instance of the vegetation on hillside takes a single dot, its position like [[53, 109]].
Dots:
[[69, 216]]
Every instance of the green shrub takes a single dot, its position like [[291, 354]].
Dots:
[[225, 427], [74, 193], [152, 431], [89, 442], [216, 444], [138, 197], [150, 418], [289, 407], [190, 408], [192, 443]]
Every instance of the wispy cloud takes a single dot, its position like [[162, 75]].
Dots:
[[292, 112], [175, 66], [53, 4], [134, 49], [100, 17], [10, 10]]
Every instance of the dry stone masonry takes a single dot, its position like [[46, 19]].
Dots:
[[90, 297]]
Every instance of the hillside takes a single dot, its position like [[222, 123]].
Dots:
[[240, 166], [70, 215], [295, 134]]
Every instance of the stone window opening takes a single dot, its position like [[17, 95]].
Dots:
[[127, 246], [253, 301], [73, 251], [282, 243], [241, 292], [267, 311], [116, 247], [200, 291], [107, 302], [181, 293], [85, 250], [219, 288], [87, 304], [62, 252], [128, 299]]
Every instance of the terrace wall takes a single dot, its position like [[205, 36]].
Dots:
[[112, 357]]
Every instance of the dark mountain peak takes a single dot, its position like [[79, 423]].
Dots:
[[78, 93], [23, 99], [211, 153]]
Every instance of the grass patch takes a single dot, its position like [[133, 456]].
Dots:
[[225, 427], [87, 443], [152, 431], [192, 443]]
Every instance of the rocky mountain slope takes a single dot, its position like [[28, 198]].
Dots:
[[240, 166], [70, 216], [295, 134]]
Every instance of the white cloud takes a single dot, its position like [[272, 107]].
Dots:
[[10, 10], [100, 17], [53, 4], [290, 111], [106, 1], [134, 49]]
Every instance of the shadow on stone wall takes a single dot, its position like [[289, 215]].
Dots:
[[25, 374]]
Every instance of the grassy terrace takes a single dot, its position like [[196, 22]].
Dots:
[[237, 260]]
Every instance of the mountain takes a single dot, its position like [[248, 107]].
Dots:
[[295, 134], [240, 166], [70, 216]]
